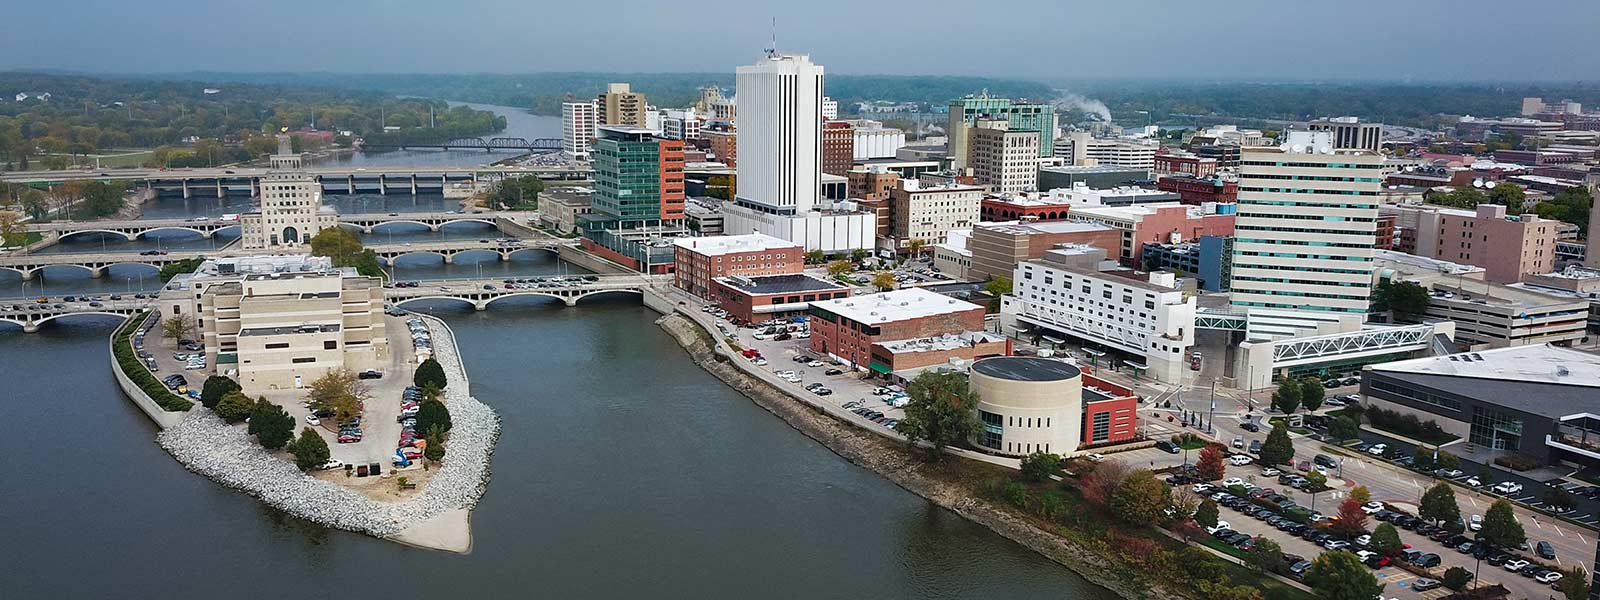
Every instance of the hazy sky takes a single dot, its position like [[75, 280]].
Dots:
[[1060, 39]]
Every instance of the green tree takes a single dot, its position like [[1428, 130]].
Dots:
[[215, 388], [433, 413], [857, 255], [234, 407], [1438, 504], [1571, 206], [915, 246], [1278, 449], [940, 412], [1447, 461], [1558, 498], [1140, 498], [884, 281], [1343, 428], [339, 391], [271, 425], [1361, 494], [1500, 526], [346, 250], [1575, 582], [1318, 481], [1386, 540], [429, 374], [310, 450], [1311, 394], [518, 193], [999, 286], [1339, 575], [1456, 578], [174, 269], [815, 257], [1286, 399], [840, 267], [1404, 300], [177, 327], [1207, 514], [1266, 557], [435, 438], [34, 204], [1508, 195], [13, 231], [1039, 466]]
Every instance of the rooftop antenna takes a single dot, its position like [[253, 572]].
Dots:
[[772, 49]]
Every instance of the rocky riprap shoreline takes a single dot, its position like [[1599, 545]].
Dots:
[[206, 445]]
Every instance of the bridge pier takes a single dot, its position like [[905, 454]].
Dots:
[[255, 187], [571, 301], [97, 272], [481, 305], [383, 185], [413, 184], [350, 183], [30, 327], [450, 259], [132, 237], [220, 190], [186, 193]]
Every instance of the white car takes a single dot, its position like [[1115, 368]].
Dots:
[[1507, 487], [1221, 525], [313, 420], [1238, 460], [1378, 449], [1201, 488], [1548, 577], [1270, 472], [1515, 565], [1372, 508], [1232, 482], [1095, 457], [331, 464], [1476, 524], [758, 361], [786, 373], [1363, 541]]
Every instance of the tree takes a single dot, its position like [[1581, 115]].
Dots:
[[1575, 583], [1571, 205], [1311, 393], [215, 388], [1266, 557], [435, 449], [521, 193], [914, 247], [271, 425], [840, 267], [12, 231], [234, 407], [1438, 504], [1361, 494], [857, 255], [1101, 484], [1558, 498], [814, 257], [1286, 399], [1206, 516], [940, 412], [346, 250], [177, 327], [999, 286], [1508, 195], [432, 413], [1447, 461], [33, 203], [1352, 521], [310, 450], [1278, 449], [1343, 428], [1039, 466], [1402, 299], [340, 391], [1386, 540], [1140, 498], [429, 374], [1339, 575], [1500, 526], [884, 281], [1210, 465], [1456, 578]]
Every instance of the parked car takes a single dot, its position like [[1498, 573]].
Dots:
[[1423, 584], [1544, 550], [1507, 488], [1168, 447]]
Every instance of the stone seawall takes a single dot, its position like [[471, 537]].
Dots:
[[436, 517], [896, 462]]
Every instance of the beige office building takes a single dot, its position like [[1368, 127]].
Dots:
[[1003, 159], [291, 211], [1508, 247], [928, 213], [620, 105], [282, 321]]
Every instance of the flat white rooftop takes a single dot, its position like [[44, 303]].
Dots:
[[1534, 364], [897, 305], [718, 245]]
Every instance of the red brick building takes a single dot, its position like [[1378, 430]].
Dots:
[[1186, 164], [1385, 232], [838, 148], [756, 299], [903, 329], [723, 144], [1117, 402], [1200, 190], [698, 260]]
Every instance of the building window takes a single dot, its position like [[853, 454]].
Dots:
[[277, 346], [1496, 429], [1101, 431], [993, 427], [303, 360], [330, 345]]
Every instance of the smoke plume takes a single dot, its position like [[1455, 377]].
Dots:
[[1070, 101]]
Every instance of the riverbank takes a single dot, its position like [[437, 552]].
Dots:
[[936, 482], [438, 517]]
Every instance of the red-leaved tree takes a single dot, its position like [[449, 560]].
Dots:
[[1352, 520], [1102, 483], [1210, 465]]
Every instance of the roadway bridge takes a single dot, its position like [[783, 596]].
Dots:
[[448, 250], [96, 263], [207, 228], [477, 143], [30, 313], [481, 293], [345, 179]]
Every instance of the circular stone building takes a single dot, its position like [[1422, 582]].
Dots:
[[1028, 404]]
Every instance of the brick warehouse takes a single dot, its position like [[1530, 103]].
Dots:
[[904, 329]]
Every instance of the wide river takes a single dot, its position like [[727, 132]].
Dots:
[[623, 471]]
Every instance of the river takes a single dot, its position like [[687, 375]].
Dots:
[[623, 470]]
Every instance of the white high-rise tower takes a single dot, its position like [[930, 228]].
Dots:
[[780, 133]]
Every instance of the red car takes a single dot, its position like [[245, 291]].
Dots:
[[1304, 466], [349, 439]]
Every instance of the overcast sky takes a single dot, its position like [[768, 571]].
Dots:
[[1040, 39]]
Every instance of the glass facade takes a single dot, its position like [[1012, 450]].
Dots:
[[627, 177], [1101, 429], [993, 428], [1496, 429]]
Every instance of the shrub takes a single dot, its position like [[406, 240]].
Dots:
[[215, 388], [1517, 462], [1039, 466], [271, 425], [234, 407], [1407, 425], [310, 450], [431, 413], [429, 374], [122, 351], [435, 449], [1456, 578]]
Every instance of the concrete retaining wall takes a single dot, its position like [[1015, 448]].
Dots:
[[592, 262], [162, 417]]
